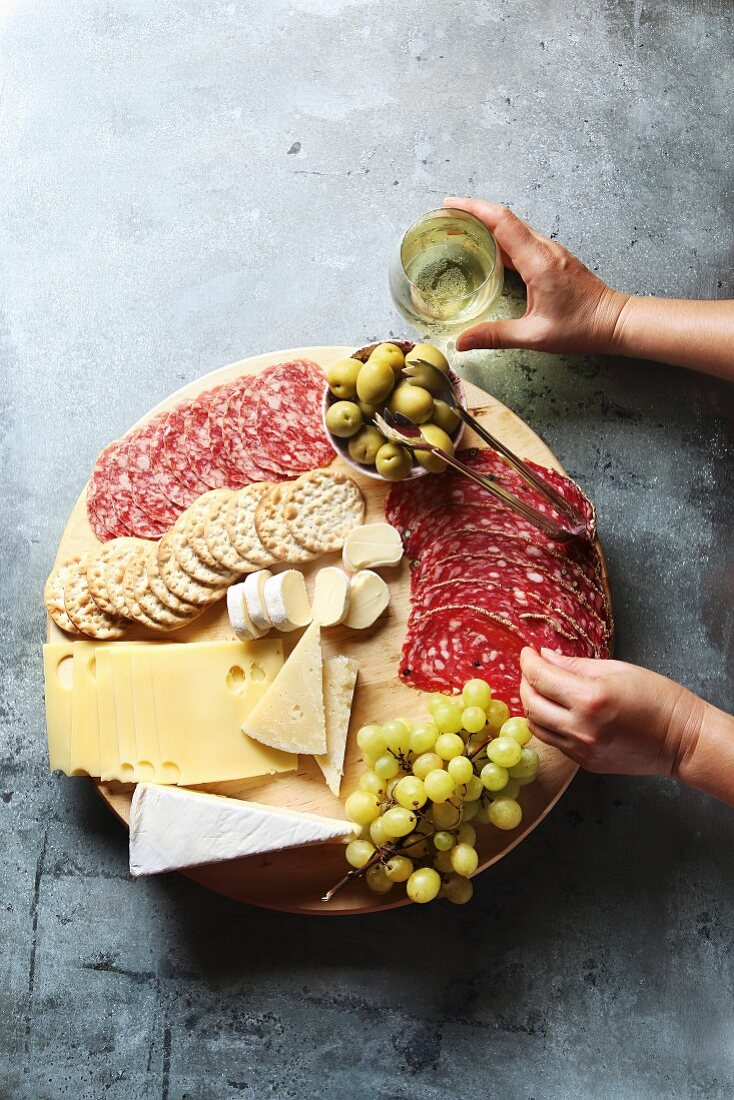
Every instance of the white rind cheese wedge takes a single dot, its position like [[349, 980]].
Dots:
[[286, 600], [172, 828], [330, 596], [290, 715], [239, 618], [371, 546], [369, 597], [255, 599], [340, 680]]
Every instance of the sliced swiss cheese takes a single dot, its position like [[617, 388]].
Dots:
[[172, 828], [57, 676], [340, 680], [290, 716], [85, 745]]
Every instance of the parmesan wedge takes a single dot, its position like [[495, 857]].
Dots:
[[340, 679]]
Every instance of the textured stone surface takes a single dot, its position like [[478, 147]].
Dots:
[[185, 183]]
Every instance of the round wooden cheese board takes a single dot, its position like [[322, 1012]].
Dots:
[[295, 880]]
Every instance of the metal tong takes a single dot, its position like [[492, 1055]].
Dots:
[[399, 429]]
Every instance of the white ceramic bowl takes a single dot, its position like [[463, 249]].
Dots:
[[341, 446]]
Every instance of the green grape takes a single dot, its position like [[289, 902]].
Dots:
[[407, 722], [470, 810], [370, 781], [477, 693], [410, 792], [442, 862], [371, 740], [517, 728], [378, 836], [362, 807], [497, 714], [377, 879], [386, 766], [397, 821], [504, 751], [446, 815], [458, 890], [526, 782], [397, 737], [473, 789], [460, 768], [482, 815], [439, 785], [505, 813], [359, 852], [435, 700], [467, 835], [442, 840], [415, 845], [425, 763], [464, 859], [423, 737], [423, 885], [447, 716], [473, 719], [399, 868], [449, 745], [527, 765], [494, 777], [369, 760], [511, 789]]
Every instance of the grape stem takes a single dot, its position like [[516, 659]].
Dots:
[[377, 856]]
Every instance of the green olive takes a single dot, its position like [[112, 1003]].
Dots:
[[444, 417], [428, 354], [393, 462], [412, 401], [375, 382], [363, 446], [342, 378], [368, 411], [438, 437], [389, 354], [344, 419]]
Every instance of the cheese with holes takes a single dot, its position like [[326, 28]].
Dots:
[[371, 546], [330, 596], [290, 715], [85, 746], [255, 599], [286, 600], [57, 677], [369, 597], [172, 828], [340, 680]]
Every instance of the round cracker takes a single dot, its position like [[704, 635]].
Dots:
[[219, 541], [159, 589], [240, 524], [184, 540], [85, 614], [201, 511], [115, 578], [138, 591], [181, 583], [322, 507], [116, 550], [53, 595], [273, 530]]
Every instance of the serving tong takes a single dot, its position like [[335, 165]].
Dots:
[[399, 429]]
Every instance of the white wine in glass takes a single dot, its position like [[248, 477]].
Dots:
[[447, 273]]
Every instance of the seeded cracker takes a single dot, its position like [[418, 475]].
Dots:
[[322, 508]]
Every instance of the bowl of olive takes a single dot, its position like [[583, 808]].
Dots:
[[371, 380]]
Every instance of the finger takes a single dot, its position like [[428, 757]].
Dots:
[[544, 711], [556, 740], [498, 334], [516, 238], [584, 666], [556, 682]]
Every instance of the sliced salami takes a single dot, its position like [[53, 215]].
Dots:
[[175, 453], [100, 504], [239, 432], [446, 647], [291, 438], [130, 519], [166, 482], [233, 474], [146, 485]]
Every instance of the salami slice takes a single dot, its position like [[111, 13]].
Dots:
[[166, 482], [290, 437], [234, 476], [239, 430], [175, 451], [445, 648], [146, 485], [518, 578], [100, 503], [130, 519]]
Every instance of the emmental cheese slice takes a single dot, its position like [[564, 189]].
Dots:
[[290, 716], [172, 828], [57, 675], [340, 679]]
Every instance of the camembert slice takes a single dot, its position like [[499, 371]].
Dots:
[[171, 828], [290, 715]]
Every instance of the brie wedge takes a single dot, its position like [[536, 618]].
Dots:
[[255, 598], [171, 828], [369, 597], [330, 596], [286, 600], [371, 546]]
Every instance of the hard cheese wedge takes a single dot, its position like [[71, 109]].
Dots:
[[290, 716], [171, 828], [57, 675], [340, 679]]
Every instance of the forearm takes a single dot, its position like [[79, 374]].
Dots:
[[707, 762], [697, 334]]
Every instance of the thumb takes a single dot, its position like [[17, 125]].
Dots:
[[571, 664], [515, 333]]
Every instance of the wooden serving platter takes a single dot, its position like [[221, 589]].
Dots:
[[295, 880]]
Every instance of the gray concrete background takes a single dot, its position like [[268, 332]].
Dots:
[[187, 182]]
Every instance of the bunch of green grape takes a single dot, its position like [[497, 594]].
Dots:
[[428, 784]]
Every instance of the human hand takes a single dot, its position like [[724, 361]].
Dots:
[[569, 309], [609, 716]]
